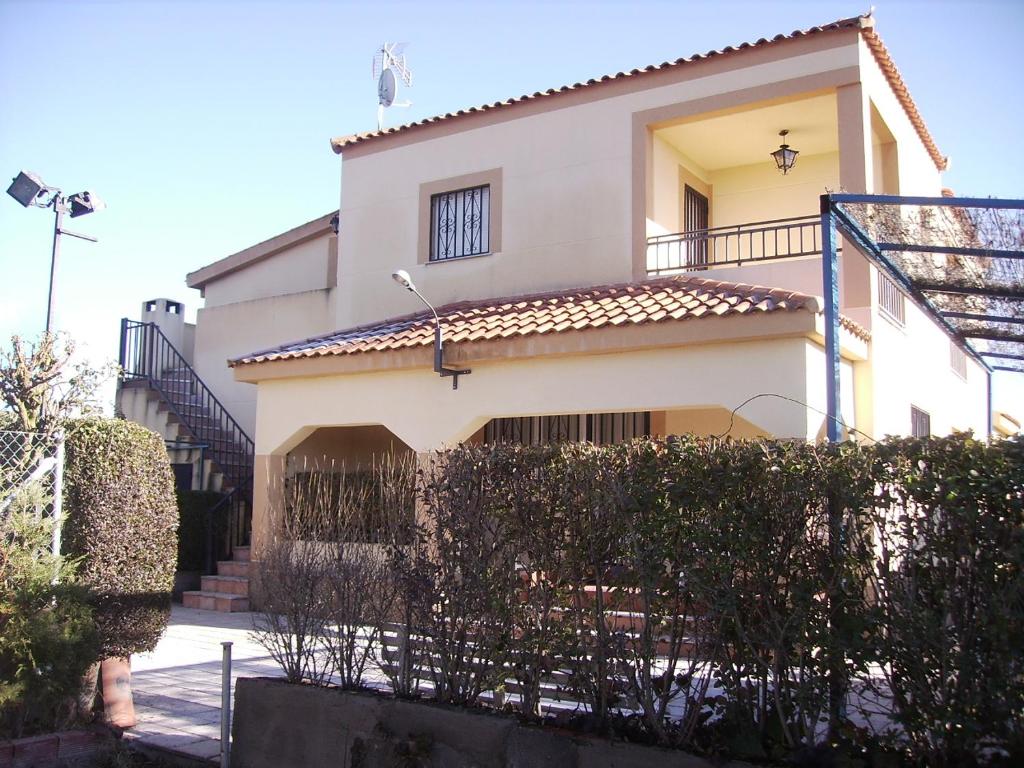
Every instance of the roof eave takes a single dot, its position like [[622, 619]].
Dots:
[[222, 267]]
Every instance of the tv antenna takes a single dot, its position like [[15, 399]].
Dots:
[[388, 68]]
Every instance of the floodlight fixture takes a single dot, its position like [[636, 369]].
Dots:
[[85, 202], [28, 189], [402, 277]]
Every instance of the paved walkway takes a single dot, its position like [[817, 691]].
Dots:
[[176, 688]]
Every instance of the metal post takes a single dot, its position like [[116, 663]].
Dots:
[[830, 285], [58, 494], [988, 403], [58, 209], [225, 706]]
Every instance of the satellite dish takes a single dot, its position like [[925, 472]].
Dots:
[[386, 87], [389, 64]]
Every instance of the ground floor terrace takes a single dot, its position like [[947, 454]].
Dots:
[[672, 355]]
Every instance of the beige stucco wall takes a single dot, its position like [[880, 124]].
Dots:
[[347, 447], [760, 193], [670, 169], [300, 268], [425, 413], [567, 189], [917, 172], [232, 330], [911, 366]]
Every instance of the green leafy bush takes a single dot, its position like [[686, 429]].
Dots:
[[122, 520], [47, 636], [724, 597], [194, 510], [948, 527]]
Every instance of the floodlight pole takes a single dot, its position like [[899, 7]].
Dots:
[[58, 220], [60, 207]]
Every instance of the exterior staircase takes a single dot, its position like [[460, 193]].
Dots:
[[226, 592], [166, 390]]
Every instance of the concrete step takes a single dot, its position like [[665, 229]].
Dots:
[[233, 568], [242, 554], [233, 585], [222, 602]]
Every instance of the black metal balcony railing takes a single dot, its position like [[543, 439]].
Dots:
[[732, 246], [147, 355]]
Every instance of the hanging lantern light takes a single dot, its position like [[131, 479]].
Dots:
[[785, 158]]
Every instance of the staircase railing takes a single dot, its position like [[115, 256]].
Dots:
[[147, 355]]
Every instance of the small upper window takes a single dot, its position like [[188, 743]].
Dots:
[[460, 223], [958, 360], [920, 422], [891, 300]]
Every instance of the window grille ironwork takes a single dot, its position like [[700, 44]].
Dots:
[[920, 422], [599, 428], [460, 223], [891, 300]]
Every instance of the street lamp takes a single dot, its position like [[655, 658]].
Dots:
[[401, 277], [28, 189]]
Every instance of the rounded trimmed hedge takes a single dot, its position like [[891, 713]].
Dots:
[[121, 520]]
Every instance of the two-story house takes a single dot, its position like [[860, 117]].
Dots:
[[613, 258]]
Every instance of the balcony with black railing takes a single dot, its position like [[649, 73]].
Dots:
[[737, 245]]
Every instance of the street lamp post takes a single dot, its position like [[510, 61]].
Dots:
[[401, 277], [28, 189]]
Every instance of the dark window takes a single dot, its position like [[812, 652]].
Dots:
[[920, 422], [460, 223], [601, 428], [182, 476], [695, 219]]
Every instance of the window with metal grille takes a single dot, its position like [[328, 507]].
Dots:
[[958, 360], [920, 422], [891, 300], [600, 428], [460, 223]]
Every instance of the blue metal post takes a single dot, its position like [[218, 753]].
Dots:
[[830, 285]]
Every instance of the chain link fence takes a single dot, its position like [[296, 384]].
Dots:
[[32, 476]]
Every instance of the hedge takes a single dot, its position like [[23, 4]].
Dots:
[[721, 597], [122, 520]]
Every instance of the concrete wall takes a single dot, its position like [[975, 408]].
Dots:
[[760, 193], [911, 366], [227, 331], [568, 185], [348, 447], [301, 268], [278, 724], [425, 413], [917, 172]]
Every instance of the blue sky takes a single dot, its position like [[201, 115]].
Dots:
[[205, 126]]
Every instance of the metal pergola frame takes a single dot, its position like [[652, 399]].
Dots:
[[835, 220]]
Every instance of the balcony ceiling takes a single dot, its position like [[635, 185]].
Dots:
[[747, 137]]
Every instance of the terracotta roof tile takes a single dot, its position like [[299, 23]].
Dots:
[[680, 298], [863, 23]]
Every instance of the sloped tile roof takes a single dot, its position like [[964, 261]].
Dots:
[[670, 299], [863, 23]]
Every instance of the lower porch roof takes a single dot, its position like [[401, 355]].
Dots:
[[473, 328]]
